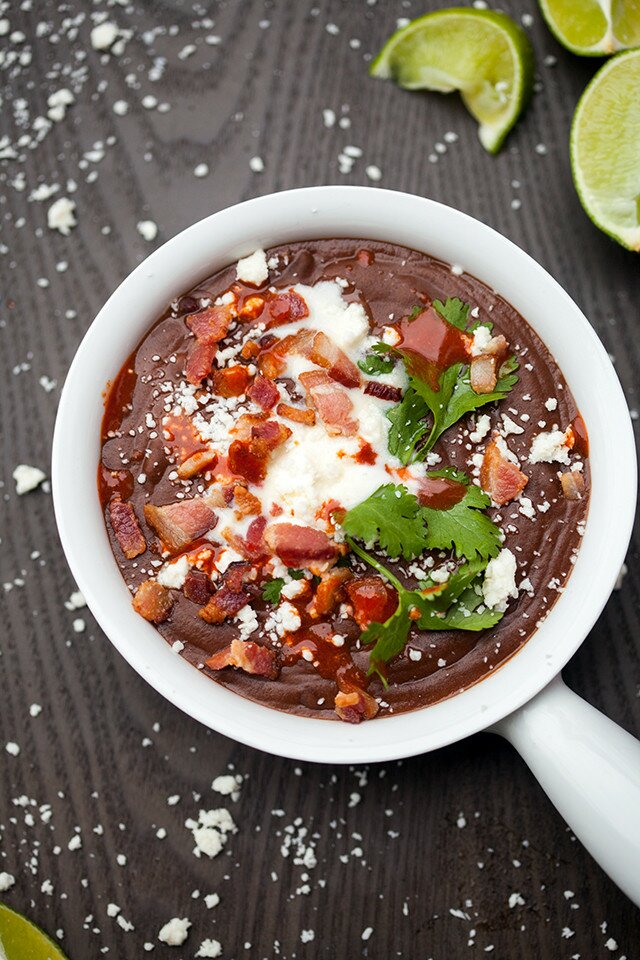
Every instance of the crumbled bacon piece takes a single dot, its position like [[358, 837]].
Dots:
[[197, 463], [251, 307], [197, 587], [236, 575], [245, 502], [245, 462], [331, 401], [271, 365], [287, 308], [246, 423], [179, 524], [337, 364], [329, 591], [572, 485], [264, 392], [483, 373], [126, 528], [248, 656], [231, 381], [383, 391], [298, 546], [372, 600], [211, 325], [152, 601], [355, 705], [271, 434], [224, 603], [251, 546], [199, 362], [248, 458], [297, 414], [502, 479], [250, 350]]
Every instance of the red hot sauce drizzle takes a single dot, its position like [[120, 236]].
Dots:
[[440, 493], [431, 345]]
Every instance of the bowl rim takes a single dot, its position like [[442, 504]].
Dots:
[[301, 213]]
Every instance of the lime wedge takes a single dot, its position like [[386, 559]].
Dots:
[[594, 27], [484, 55], [605, 149], [22, 940]]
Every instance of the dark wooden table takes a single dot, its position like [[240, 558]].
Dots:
[[429, 852]]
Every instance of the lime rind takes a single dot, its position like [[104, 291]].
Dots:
[[484, 55], [605, 149]]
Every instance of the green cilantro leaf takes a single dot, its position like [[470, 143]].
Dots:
[[445, 606], [390, 517], [272, 590], [380, 360], [464, 527], [409, 425], [454, 310], [295, 574]]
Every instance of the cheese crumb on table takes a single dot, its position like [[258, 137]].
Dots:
[[27, 478], [175, 931]]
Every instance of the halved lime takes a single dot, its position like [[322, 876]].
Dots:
[[605, 148], [484, 55], [594, 27], [22, 940]]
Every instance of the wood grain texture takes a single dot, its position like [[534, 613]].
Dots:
[[398, 847]]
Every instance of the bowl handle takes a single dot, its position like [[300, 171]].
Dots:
[[590, 769]]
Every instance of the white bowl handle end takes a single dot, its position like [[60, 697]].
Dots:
[[590, 769]]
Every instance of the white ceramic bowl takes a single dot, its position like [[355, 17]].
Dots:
[[369, 214]]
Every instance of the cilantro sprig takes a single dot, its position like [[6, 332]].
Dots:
[[394, 520], [380, 360], [453, 605], [413, 433]]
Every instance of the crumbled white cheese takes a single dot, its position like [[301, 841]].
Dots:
[[549, 447], [247, 618], [482, 337], [226, 558], [228, 785], [175, 931], [60, 215], [6, 881], [551, 404], [509, 426], [210, 831], [483, 425], [27, 478], [253, 269], [293, 589], [289, 618], [174, 574], [211, 900], [500, 580], [346, 324]]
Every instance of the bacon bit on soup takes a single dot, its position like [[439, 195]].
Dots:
[[502, 479], [179, 524], [383, 391], [329, 592], [211, 325], [297, 414], [197, 587], [197, 463], [372, 600], [264, 392], [287, 308], [572, 485], [251, 546], [327, 354], [332, 403], [231, 381], [355, 705], [483, 374], [299, 547], [224, 603], [153, 601], [199, 362], [250, 350], [245, 655], [248, 458], [126, 528], [245, 503], [270, 434], [251, 308]]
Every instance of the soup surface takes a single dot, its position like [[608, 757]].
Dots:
[[343, 479]]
